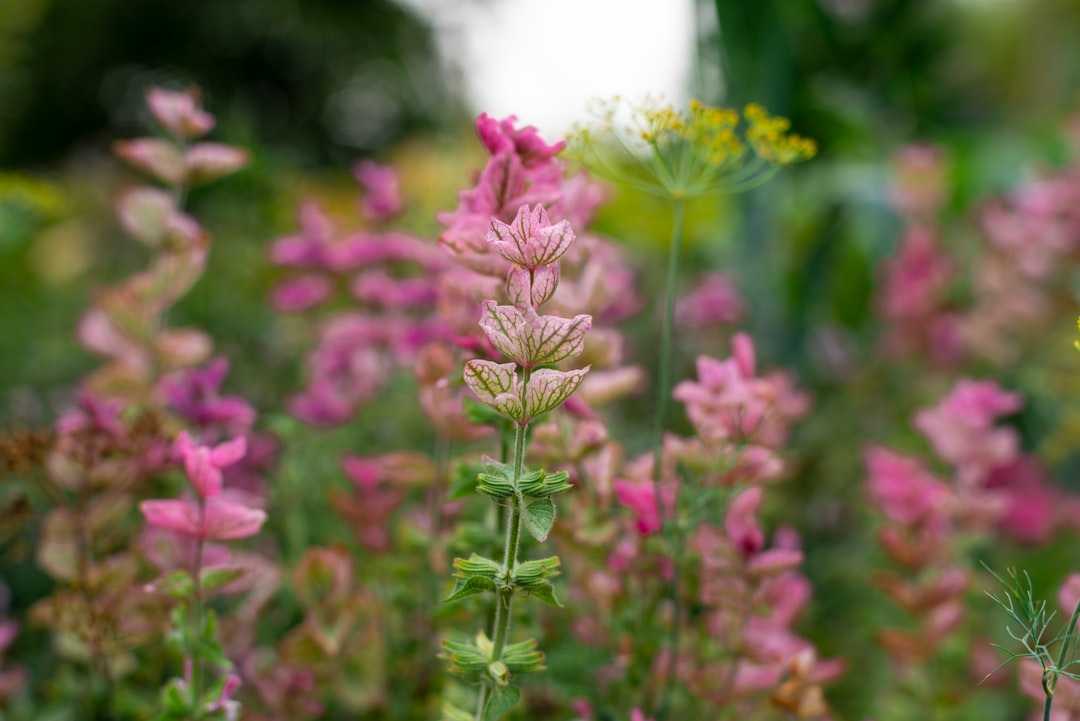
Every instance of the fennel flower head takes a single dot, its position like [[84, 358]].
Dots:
[[655, 148]]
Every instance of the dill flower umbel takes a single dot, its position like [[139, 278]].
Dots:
[[657, 149]]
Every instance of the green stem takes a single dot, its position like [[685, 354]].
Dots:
[[663, 396], [504, 598], [195, 632], [667, 334]]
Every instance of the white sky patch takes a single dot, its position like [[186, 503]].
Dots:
[[543, 60]]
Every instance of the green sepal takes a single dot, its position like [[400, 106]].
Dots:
[[498, 672], [502, 699], [523, 657], [539, 516], [496, 480], [540, 484], [530, 574], [464, 657], [475, 574]]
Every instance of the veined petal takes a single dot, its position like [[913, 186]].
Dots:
[[530, 240], [496, 384], [550, 339], [548, 388]]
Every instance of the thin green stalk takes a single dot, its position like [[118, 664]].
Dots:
[[667, 334], [504, 598], [663, 396]]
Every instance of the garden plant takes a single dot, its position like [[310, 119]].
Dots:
[[492, 461]]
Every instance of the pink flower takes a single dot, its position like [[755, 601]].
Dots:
[[640, 497], [209, 161], [203, 464], [715, 301], [301, 294], [179, 112], [500, 136], [214, 519], [531, 241], [741, 523], [382, 198], [960, 427], [904, 490], [155, 156]]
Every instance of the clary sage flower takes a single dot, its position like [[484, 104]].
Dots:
[[652, 147]]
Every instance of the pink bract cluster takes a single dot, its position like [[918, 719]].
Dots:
[[386, 277], [212, 515], [993, 487]]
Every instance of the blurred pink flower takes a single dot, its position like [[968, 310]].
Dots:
[[714, 301], [179, 112], [382, 199], [960, 427], [214, 519], [203, 464]]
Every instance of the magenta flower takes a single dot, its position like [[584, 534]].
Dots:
[[500, 136], [640, 497]]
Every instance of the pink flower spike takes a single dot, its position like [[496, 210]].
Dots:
[[531, 240], [179, 112]]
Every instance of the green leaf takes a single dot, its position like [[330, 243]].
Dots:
[[545, 593], [463, 481], [539, 516], [503, 698], [469, 587], [174, 698], [177, 584], [214, 578]]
